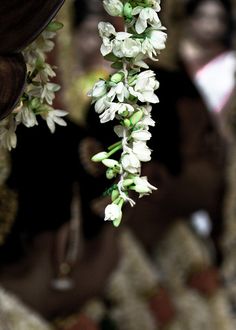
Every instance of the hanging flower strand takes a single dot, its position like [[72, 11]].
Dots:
[[127, 96], [39, 92]]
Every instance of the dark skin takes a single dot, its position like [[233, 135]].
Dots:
[[30, 278]]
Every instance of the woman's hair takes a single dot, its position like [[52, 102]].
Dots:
[[192, 6], [44, 170]]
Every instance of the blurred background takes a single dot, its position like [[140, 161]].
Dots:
[[172, 262]]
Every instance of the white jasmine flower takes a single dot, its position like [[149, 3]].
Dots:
[[131, 47], [45, 92], [106, 31], [27, 117], [113, 212], [120, 91], [141, 151], [142, 186], [130, 163], [114, 108], [54, 116], [126, 48], [145, 86], [157, 39], [46, 73], [125, 108], [123, 35], [147, 16], [102, 104], [153, 43], [119, 130], [147, 121], [113, 7], [109, 114], [106, 47], [141, 135], [8, 137], [98, 90]]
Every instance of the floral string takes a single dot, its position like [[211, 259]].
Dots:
[[127, 96], [39, 93]]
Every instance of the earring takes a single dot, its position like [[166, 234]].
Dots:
[[63, 281]]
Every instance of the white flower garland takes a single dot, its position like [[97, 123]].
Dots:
[[39, 92], [127, 95]]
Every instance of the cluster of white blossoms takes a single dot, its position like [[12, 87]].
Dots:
[[39, 92], [127, 96]]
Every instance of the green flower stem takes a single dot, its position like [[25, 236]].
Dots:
[[114, 150], [114, 145]]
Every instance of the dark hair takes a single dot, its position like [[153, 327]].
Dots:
[[44, 170], [192, 6]]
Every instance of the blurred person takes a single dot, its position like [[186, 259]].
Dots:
[[51, 263], [206, 50]]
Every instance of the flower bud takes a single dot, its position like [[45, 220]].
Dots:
[[127, 10], [99, 157], [54, 26], [136, 117], [113, 7], [110, 174], [127, 182], [110, 162], [115, 194], [117, 77], [127, 123]]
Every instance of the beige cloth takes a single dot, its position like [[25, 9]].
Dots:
[[14, 315]]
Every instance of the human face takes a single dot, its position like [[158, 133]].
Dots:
[[209, 22]]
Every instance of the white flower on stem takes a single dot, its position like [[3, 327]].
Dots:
[[142, 186], [27, 117], [120, 91], [102, 104], [157, 39], [98, 90], [145, 86], [46, 73], [45, 92], [48, 92], [113, 212], [106, 32], [141, 135], [142, 151], [130, 162], [119, 130], [8, 137], [126, 48], [110, 113], [54, 117], [147, 121], [113, 7], [153, 43], [147, 17], [115, 108]]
